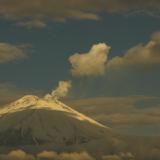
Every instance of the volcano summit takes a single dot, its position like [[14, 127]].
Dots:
[[33, 122]]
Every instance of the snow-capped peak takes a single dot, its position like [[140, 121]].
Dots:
[[33, 102], [26, 100], [36, 121], [20, 104]]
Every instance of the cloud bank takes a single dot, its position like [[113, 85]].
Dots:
[[17, 155], [45, 155], [118, 111], [121, 156], [64, 156], [32, 24], [143, 149], [142, 56], [10, 52], [27, 12], [92, 63], [52, 155]]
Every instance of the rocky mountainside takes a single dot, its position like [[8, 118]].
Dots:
[[32, 121]]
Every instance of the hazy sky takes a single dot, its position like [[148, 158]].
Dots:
[[37, 40]]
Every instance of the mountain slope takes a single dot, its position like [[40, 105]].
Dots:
[[32, 121]]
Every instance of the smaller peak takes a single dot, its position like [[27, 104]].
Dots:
[[30, 97], [27, 100], [20, 104]]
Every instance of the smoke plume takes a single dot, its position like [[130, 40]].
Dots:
[[61, 91]]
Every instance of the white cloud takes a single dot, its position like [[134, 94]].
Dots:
[[117, 111], [142, 56], [121, 156], [33, 24], [92, 63], [17, 155], [9, 52], [45, 155], [75, 156], [51, 155], [43, 10], [64, 156]]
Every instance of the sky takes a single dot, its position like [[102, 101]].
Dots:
[[101, 48], [47, 42]]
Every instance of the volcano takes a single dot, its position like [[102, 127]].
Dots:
[[35, 122]]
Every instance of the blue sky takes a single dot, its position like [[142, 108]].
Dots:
[[51, 46]]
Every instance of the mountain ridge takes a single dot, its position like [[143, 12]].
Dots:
[[34, 102], [36, 124]]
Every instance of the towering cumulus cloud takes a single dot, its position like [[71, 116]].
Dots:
[[92, 63], [61, 91], [141, 56]]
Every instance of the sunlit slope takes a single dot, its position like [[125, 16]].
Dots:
[[31, 121]]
